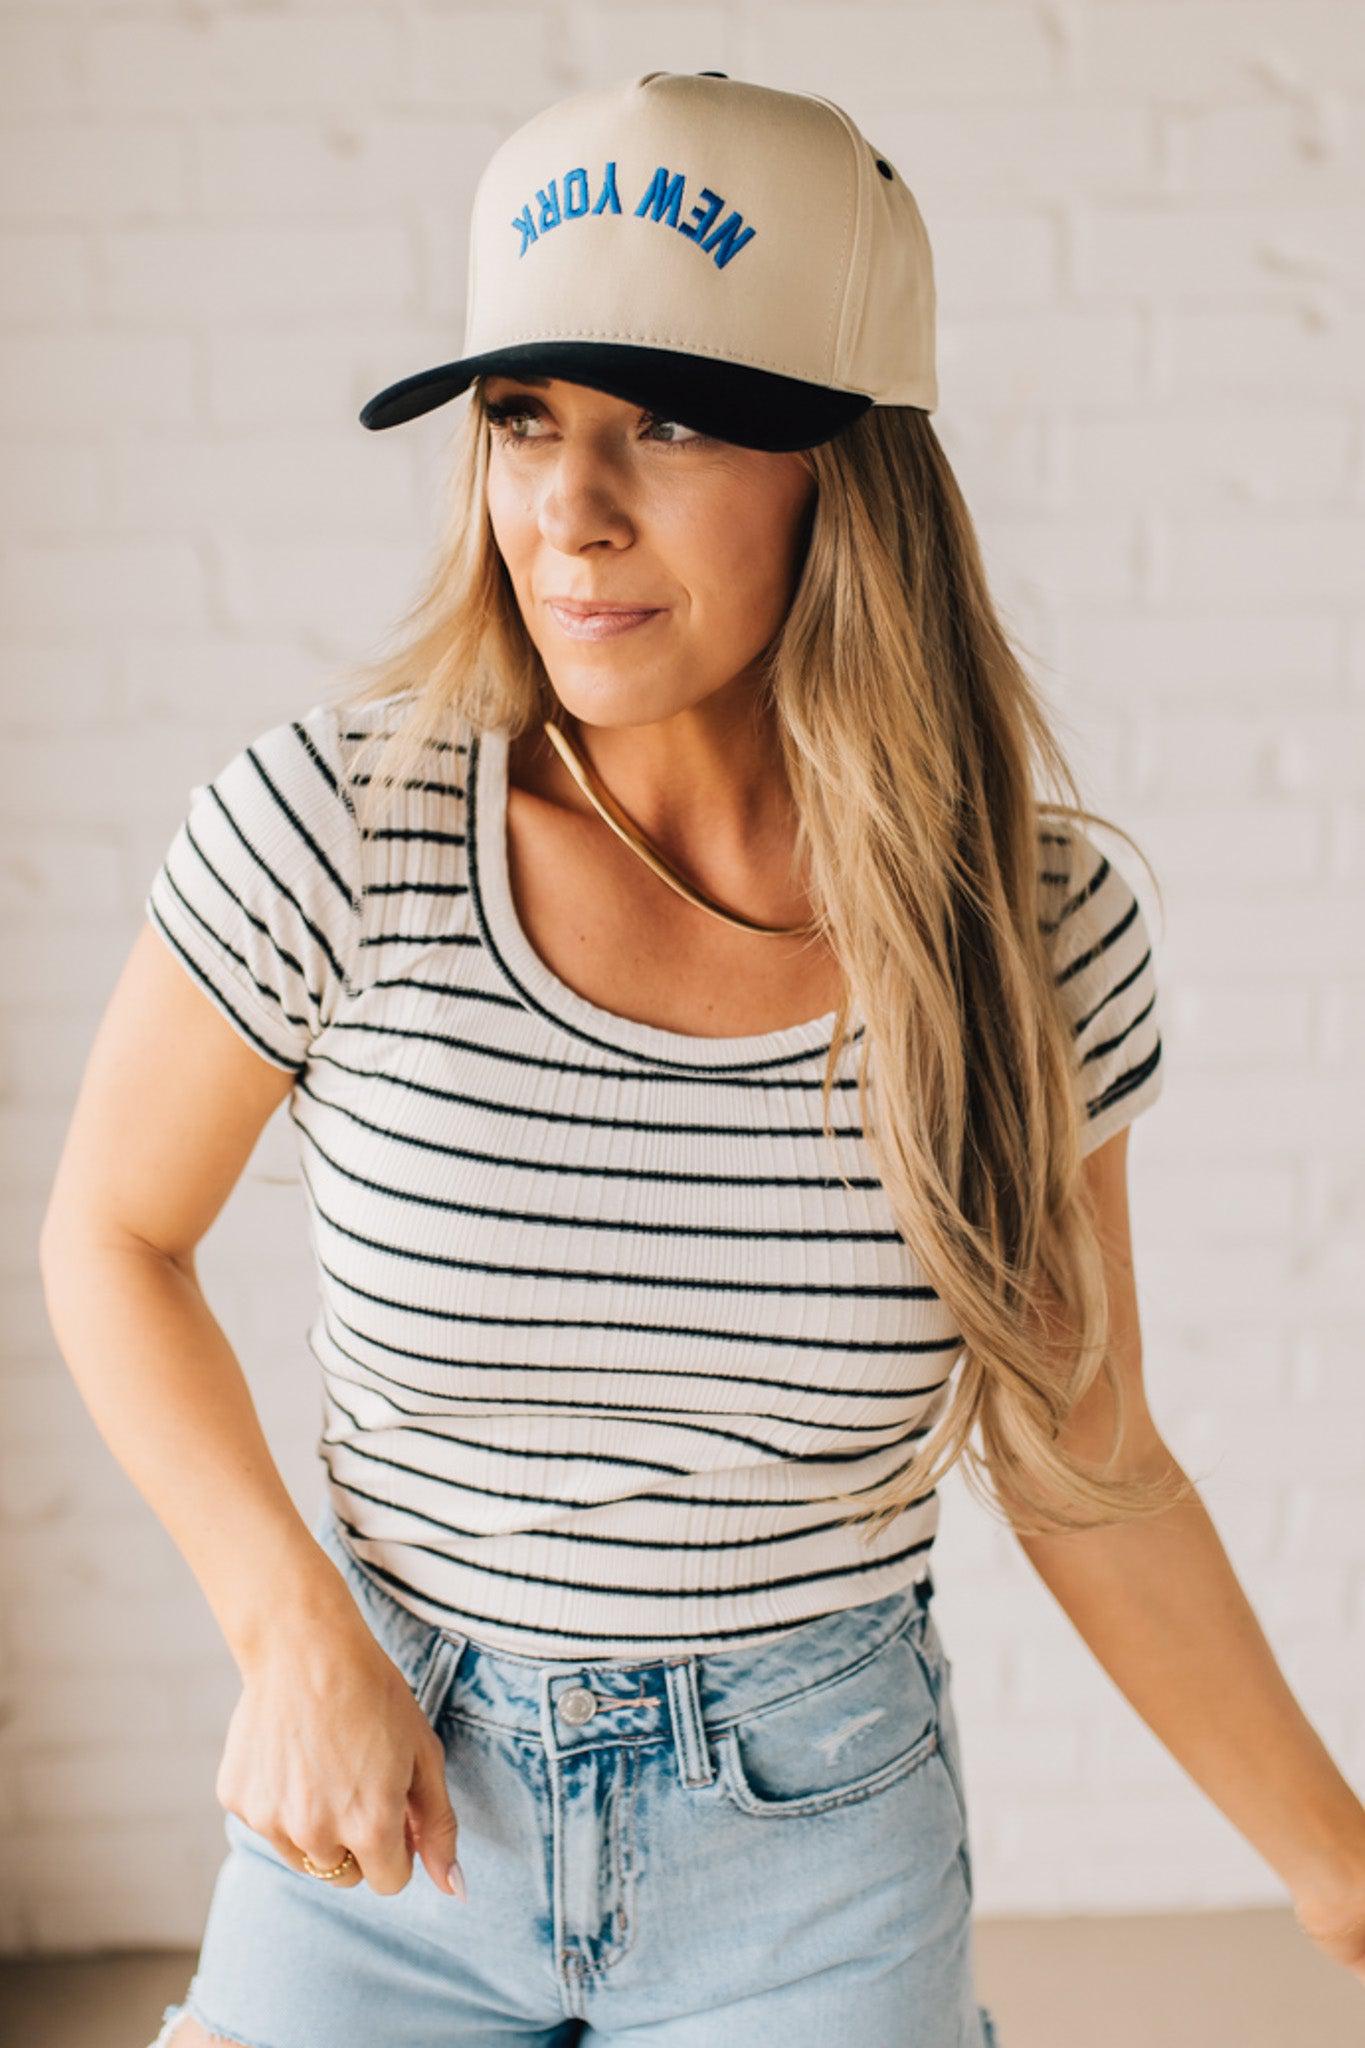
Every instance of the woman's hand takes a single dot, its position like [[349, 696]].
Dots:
[[328, 1750], [1334, 1919]]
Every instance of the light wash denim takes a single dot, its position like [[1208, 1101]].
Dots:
[[762, 1847]]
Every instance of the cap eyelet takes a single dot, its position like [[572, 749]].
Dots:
[[884, 167]]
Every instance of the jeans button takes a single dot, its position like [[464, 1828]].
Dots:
[[577, 1706]]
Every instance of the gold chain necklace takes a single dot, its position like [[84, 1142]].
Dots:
[[625, 828]]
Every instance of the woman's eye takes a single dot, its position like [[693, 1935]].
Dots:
[[502, 418], [504, 415], [690, 434]]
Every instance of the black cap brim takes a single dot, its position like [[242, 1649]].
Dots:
[[753, 408]]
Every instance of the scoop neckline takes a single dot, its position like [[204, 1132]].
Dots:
[[541, 989]]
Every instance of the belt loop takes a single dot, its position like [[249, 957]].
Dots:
[[696, 1766], [438, 1677]]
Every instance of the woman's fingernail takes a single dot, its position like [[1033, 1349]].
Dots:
[[455, 1879]]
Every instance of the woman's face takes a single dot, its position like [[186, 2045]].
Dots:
[[593, 498]]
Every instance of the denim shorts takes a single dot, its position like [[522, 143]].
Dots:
[[748, 1848]]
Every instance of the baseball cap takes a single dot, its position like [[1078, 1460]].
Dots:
[[741, 255]]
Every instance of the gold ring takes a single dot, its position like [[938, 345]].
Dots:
[[313, 1870]]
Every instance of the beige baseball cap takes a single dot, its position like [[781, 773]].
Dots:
[[741, 259]]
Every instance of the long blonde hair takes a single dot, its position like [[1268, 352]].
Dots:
[[915, 746]]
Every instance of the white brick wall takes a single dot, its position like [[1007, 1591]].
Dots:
[[221, 229]]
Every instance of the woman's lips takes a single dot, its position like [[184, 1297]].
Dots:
[[600, 625]]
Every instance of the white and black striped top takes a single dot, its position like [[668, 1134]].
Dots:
[[600, 1329]]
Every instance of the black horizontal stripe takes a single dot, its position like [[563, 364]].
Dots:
[[422, 784], [713, 1376], [549, 1219], [413, 835], [1108, 1046], [651, 1592], [609, 1276], [513, 1058], [1125, 1083], [651, 1416], [1135, 975], [864, 1346], [571, 1502], [698, 1332], [410, 888], [589, 1538], [590, 1171], [439, 746], [572, 1119], [538, 1453], [1102, 945]]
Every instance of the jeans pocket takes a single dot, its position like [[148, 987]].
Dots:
[[844, 1738]]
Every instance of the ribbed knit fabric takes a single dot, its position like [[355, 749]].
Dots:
[[601, 1331]]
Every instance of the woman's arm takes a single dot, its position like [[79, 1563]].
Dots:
[[1159, 1604], [1162, 1610], [169, 1109]]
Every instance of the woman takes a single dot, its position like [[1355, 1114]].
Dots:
[[711, 1062]]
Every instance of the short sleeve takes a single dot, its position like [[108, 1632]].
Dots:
[[1105, 974], [258, 893]]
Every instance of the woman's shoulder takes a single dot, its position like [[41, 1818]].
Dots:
[[1088, 904], [354, 734], [278, 896], [258, 892]]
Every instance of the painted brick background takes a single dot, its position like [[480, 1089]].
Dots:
[[222, 226]]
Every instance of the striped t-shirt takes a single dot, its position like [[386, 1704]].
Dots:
[[601, 1331]]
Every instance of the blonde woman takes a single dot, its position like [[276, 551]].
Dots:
[[711, 1058]]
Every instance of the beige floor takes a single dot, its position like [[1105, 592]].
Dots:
[[1215, 1980]]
